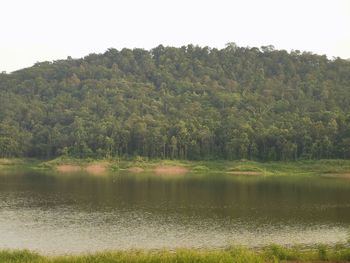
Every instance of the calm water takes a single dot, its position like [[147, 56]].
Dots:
[[59, 214]]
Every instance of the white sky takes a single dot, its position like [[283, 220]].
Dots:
[[40, 30]]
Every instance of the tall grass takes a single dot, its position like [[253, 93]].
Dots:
[[272, 253]]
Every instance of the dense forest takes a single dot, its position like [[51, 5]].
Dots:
[[181, 103]]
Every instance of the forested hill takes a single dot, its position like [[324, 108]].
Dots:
[[183, 103]]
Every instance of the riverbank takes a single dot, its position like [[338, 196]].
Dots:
[[331, 168], [271, 253]]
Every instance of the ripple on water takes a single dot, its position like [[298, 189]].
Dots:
[[86, 214]]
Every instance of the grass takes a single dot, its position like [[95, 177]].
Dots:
[[273, 253], [303, 167], [18, 163]]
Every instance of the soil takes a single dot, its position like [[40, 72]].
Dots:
[[171, 170], [339, 175], [96, 169], [68, 168]]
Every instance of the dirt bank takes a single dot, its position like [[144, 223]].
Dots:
[[340, 175], [171, 170], [68, 168], [96, 168]]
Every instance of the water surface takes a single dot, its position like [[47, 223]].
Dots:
[[60, 214]]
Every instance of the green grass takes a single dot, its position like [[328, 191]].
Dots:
[[18, 163], [272, 253]]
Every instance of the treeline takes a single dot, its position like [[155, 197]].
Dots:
[[183, 103]]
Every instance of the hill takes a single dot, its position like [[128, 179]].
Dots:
[[182, 103]]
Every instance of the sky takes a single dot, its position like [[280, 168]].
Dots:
[[46, 30]]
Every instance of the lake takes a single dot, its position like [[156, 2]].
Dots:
[[77, 213]]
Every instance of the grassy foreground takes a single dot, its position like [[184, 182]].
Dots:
[[272, 253], [303, 167]]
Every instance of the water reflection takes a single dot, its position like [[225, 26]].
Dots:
[[76, 213]]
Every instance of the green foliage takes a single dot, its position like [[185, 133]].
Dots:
[[191, 102], [200, 168], [277, 253], [23, 256], [322, 252]]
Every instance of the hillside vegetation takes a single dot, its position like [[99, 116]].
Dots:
[[179, 103]]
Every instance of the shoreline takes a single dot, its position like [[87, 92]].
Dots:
[[332, 168]]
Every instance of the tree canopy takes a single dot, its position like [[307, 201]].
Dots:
[[184, 103]]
